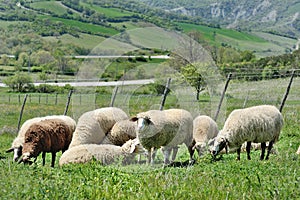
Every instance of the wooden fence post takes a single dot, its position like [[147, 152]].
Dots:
[[114, 96], [21, 112], [165, 94], [56, 98], [68, 102], [222, 96], [287, 91]]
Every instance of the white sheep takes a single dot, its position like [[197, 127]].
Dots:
[[204, 129], [105, 153], [258, 124], [49, 135], [298, 151], [166, 129], [93, 126], [17, 144], [121, 132]]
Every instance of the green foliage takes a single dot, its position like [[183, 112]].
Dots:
[[20, 82], [46, 88]]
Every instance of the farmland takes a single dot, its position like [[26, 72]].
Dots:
[[277, 178]]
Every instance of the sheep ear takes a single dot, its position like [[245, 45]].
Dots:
[[148, 120], [9, 150], [133, 119]]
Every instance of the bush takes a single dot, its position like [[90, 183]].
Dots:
[[20, 82]]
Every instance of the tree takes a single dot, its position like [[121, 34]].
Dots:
[[194, 78], [20, 82]]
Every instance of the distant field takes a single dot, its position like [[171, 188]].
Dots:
[[92, 28], [262, 43], [84, 40], [6, 24], [108, 12], [52, 6]]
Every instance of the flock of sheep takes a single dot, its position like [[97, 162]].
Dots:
[[109, 135]]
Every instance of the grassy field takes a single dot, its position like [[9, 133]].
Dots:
[[277, 178], [262, 43], [86, 27], [108, 12]]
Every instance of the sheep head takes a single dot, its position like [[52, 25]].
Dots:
[[133, 146], [200, 147], [17, 152], [220, 143]]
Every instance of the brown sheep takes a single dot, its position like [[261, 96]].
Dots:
[[50, 135]]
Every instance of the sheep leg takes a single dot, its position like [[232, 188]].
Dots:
[[44, 157], [269, 149], [263, 149], [238, 151], [152, 155], [166, 151], [53, 159], [175, 150], [248, 148]]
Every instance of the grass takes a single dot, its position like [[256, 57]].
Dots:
[[262, 43], [85, 27], [108, 12], [52, 6], [277, 178], [84, 40]]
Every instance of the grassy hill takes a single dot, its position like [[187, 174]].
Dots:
[[99, 21]]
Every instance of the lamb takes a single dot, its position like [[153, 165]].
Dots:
[[298, 151], [259, 124], [105, 153], [93, 126], [204, 129], [49, 135], [17, 144], [166, 129]]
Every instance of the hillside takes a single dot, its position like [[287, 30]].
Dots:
[[279, 17], [84, 25]]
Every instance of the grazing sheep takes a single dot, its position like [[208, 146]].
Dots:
[[166, 129], [121, 132], [204, 129], [105, 153], [254, 146], [17, 144], [298, 151], [93, 126], [49, 135], [259, 124]]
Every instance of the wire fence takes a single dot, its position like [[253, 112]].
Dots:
[[238, 94]]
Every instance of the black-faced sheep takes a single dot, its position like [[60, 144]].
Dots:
[[49, 135], [105, 153], [204, 129], [93, 126], [166, 129], [17, 144], [258, 124]]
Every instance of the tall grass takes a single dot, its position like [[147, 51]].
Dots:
[[277, 178]]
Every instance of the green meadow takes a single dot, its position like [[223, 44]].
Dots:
[[276, 178]]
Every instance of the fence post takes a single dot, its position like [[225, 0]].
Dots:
[[21, 112], [56, 99], [165, 94], [222, 96], [287, 91], [68, 102], [114, 96]]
